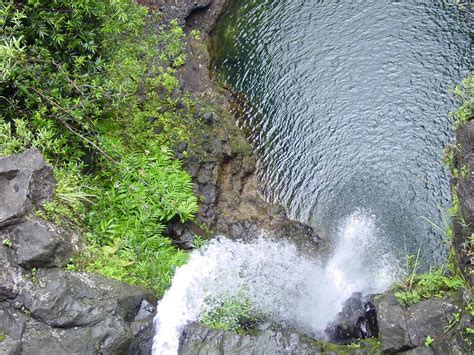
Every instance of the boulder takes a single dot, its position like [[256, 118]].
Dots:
[[25, 181], [79, 313], [201, 340], [392, 324], [357, 320], [404, 329], [198, 339], [73, 299], [25, 335], [182, 234], [41, 244]]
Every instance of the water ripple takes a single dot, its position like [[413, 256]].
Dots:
[[347, 104]]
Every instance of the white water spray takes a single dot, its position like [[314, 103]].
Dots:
[[290, 288]]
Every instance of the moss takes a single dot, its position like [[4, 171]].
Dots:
[[2, 337]]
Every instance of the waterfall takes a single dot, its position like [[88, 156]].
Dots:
[[290, 288]]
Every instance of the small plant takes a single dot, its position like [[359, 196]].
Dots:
[[428, 341], [235, 313], [354, 345], [464, 95], [7, 243], [195, 34], [34, 275], [199, 242], [422, 286], [453, 321]]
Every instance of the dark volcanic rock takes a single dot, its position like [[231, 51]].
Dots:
[[25, 181], [80, 299], [41, 244], [464, 183], [142, 329], [198, 339], [392, 324], [357, 320], [177, 9], [12, 327], [182, 234], [10, 275], [404, 329], [77, 313]]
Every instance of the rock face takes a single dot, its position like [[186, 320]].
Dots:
[[200, 340], [357, 320], [464, 183], [407, 329], [49, 310]]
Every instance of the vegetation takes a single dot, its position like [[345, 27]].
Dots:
[[432, 284], [449, 278], [464, 95], [81, 82], [236, 314]]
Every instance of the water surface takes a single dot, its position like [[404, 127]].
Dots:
[[347, 106]]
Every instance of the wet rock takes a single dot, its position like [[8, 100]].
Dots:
[[12, 326], [25, 181], [465, 139], [77, 313], [182, 234], [404, 329], [107, 337], [464, 183], [392, 323], [41, 244], [70, 299], [198, 339], [10, 275], [357, 320], [141, 329]]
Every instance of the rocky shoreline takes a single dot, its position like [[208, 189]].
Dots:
[[220, 160]]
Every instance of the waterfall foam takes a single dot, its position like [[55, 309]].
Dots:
[[292, 289]]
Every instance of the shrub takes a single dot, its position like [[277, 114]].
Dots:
[[90, 84], [235, 313]]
